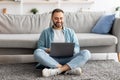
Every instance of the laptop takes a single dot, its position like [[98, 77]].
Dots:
[[62, 50]]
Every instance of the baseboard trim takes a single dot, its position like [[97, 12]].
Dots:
[[16, 59], [30, 58], [104, 56]]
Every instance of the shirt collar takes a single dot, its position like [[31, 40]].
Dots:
[[62, 29]]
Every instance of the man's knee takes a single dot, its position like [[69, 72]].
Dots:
[[37, 52], [86, 54]]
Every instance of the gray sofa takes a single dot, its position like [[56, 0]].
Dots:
[[19, 34]]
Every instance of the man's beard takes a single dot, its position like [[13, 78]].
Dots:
[[58, 24]]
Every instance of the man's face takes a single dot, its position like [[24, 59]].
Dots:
[[58, 19]]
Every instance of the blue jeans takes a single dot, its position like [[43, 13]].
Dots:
[[77, 60]]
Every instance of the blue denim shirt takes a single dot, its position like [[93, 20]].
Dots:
[[47, 37]]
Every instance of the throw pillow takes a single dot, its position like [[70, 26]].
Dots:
[[104, 24]]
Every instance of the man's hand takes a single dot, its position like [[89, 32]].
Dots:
[[47, 50]]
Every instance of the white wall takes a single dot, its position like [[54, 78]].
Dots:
[[98, 5], [105, 5]]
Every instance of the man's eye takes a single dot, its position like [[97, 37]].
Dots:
[[58, 18], [61, 18]]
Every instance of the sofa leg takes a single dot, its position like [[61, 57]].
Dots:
[[119, 56]]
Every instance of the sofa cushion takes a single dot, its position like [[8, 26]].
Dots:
[[30, 40], [91, 39], [81, 21], [24, 24], [19, 40], [104, 24]]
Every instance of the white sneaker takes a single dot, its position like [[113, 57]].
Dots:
[[76, 71], [50, 72]]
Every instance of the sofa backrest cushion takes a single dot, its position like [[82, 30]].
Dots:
[[82, 22], [34, 24], [24, 24]]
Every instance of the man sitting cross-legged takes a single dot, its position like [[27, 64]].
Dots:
[[59, 33]]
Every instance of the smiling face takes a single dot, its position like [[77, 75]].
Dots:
[[57, 19]]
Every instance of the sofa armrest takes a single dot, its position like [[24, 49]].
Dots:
[[116, 32]]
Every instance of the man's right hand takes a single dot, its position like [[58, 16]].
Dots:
[[47, 50]]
